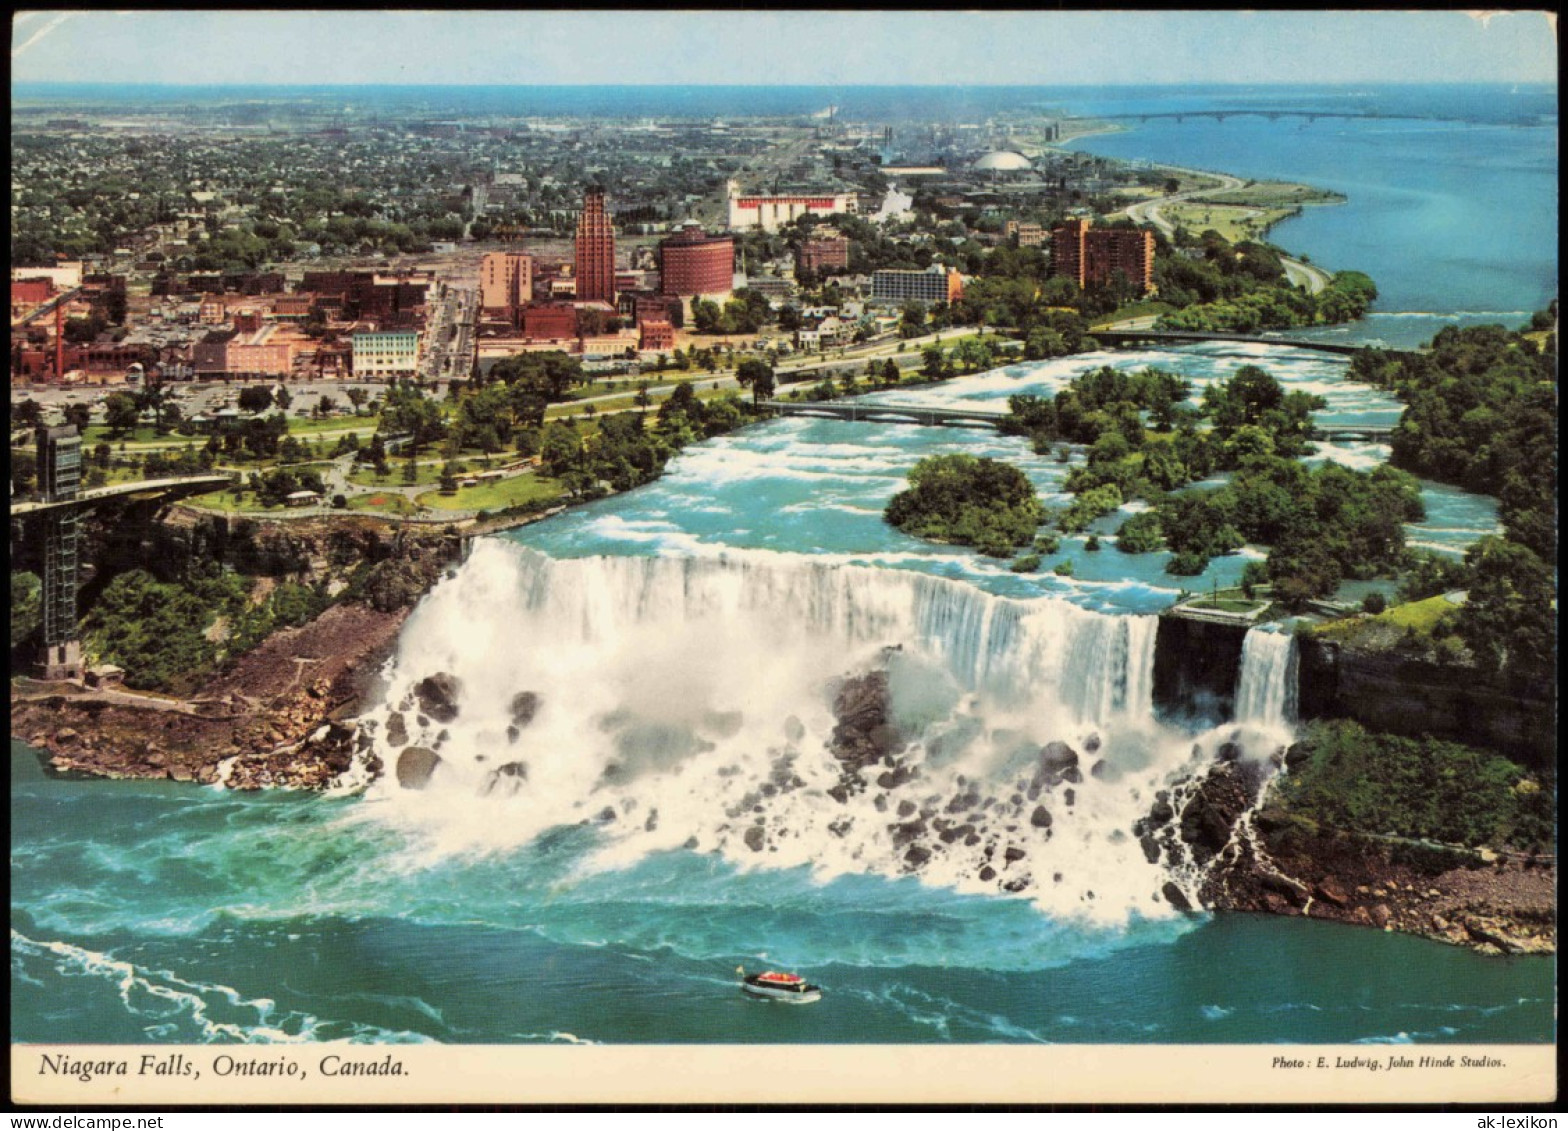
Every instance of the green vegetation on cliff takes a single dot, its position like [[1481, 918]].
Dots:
[[167, 635], [969, 502], [1346, 778], [1242, 287], [27, 595]]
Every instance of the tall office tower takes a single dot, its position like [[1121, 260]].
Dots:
[[595, 261]]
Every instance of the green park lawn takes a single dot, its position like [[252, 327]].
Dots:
[[496, 494], [1424, 618], [1234, 222], [389, 503], [428, 474], [1149, 308], [1273, 194], [311, 426]]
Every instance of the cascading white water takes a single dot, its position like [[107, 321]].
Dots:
[[1266, 684], [689, 703]]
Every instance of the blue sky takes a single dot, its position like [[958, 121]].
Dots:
[[796, 47]]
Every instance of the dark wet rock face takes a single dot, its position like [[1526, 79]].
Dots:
[[1057, 762], [524, 706], [415, 766], [505, 780], [865, 733], [437, 695], [1173, 895], [397, 729]]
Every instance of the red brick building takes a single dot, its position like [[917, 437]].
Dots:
[[691, 263], [646, 306], [826, 253], [549, 321], [655, 335], [31, 292], [595, 250], [1093, 258]]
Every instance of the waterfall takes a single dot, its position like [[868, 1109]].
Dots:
[[701, 704], [1266, 686]]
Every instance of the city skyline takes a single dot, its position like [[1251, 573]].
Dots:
[[895, 48]]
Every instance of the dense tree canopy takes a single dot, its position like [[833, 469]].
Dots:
[[968, 501]]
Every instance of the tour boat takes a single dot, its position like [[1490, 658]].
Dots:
[[780, 987]]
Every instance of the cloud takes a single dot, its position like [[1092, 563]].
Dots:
[[16, 52]]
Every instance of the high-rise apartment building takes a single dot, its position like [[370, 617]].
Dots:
[[1092, 258], [506, 282], [595, 259]]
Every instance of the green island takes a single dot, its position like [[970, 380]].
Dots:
[[1323, 524], [968, 501]]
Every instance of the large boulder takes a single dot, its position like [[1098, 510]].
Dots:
[[1058, 763], [865, 733], [415, 765], [397, 729], [1210, 814], [506, 779], [1175, 897], [525, 705], [437, 695]]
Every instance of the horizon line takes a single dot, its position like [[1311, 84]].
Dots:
[[781, 85]]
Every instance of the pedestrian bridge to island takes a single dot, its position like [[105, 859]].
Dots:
[[1126, 337], [882, 413], [933, 417]]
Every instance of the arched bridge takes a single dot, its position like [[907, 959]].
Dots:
[[179, 485], [890, 413], [1188, 337]]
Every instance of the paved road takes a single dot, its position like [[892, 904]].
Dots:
[[1149, 211], [1314, 279]]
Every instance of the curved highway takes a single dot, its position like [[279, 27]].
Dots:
[[1313, 279]]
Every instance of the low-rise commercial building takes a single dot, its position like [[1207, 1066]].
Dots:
[[552, 321], [386, 353], [935, 284], [769, 213], [655, 336]]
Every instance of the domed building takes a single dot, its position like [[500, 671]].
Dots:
[[1003, 161]]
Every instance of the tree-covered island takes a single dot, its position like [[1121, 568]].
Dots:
[[968, 501], [1324, 524]]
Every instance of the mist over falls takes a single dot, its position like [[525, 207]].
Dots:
[[783, 712]]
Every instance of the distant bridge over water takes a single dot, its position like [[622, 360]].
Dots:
[[1221, 113], [1351, 432], [1191, 337], [872, 413], [883, 413]]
